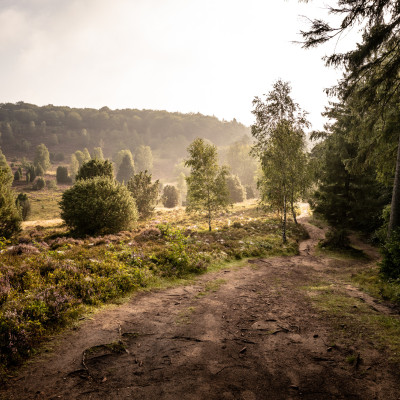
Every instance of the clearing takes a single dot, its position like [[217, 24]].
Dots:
[[273, 328]]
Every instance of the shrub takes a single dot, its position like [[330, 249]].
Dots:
[[336, 238], [24, 205], [250, 193], [10, 218], [17, 175], [144, 192], [93, 168], [98, 206], [62, 175], [390, 264], [170, 198], [237, 193], [39, 184], [51, 184]]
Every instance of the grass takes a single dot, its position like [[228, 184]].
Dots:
[[354, 320], [370, 281], [44, 204], [50, 278]]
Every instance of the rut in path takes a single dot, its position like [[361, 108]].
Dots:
[[241, 333]]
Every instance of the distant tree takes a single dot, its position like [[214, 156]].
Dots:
[[24, 205], [74, 166], [120, 156], [39, 170], [207, 188], [237, 193], [144, 159], [182, 187], [97, 154], [145, 192], [62, 175], [95, 168], [98, 206], [86, 155], [241, 163], [42, 157], [10, 218], [126, 169], [81, 157], [170, 197]]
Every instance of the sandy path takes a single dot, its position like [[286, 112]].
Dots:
[[242, 333]]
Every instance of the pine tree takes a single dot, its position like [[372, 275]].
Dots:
[[126, 169]]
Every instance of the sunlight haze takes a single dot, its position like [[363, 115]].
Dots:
[[210, 57]]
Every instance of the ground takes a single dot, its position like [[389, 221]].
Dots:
[[274, 328]]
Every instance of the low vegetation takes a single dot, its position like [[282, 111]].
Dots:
[[56, 276]]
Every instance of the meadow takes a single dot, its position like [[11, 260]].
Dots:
[[50, 278]]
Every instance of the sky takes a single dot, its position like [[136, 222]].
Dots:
[[209, 56]]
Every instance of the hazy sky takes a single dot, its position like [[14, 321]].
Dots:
[[208, 56]]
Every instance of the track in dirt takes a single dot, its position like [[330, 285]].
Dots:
[[241, 333]]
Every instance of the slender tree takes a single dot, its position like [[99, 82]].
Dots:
[[280, 145], [207, 188], [42, 158]]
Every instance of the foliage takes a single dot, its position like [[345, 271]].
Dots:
[[280, 146], [97, 154], [74, 166], [370, 87], [62, 175], [144, 192], [39, 183], [91, 169], [241, 163], [41, 290], [237, 193], [42, 158], [170, 197], [390, 264], [10, 218], [17, 175], [24, 205], [120, 156], [182, 187], [97, 206], [126, 169], [144, 158], [207, 188]]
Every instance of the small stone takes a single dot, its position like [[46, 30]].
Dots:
[[315, 336]]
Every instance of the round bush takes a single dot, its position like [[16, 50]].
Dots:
[[170, 198], [98, 206]]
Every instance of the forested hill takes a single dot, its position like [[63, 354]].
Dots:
[[65, 130]]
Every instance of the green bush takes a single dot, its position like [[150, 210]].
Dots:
[[62, 175], [237, 192], [98, 206], [170, 198], [39, 184], [10, 218], [144, 192], [96, 167], [24, 205], [390, 264]]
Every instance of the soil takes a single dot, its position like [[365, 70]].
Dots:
[[248, 332]]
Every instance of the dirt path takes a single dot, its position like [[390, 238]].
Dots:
[[242, 333]]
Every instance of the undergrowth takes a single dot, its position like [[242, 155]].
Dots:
[[50, 278]]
